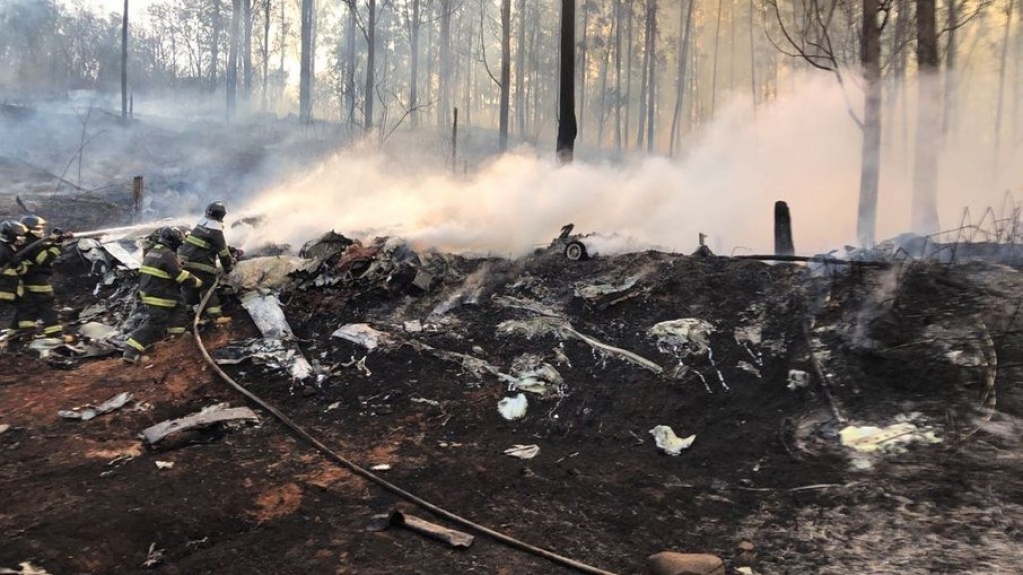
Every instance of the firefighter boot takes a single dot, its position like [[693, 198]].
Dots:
[[131, 356]]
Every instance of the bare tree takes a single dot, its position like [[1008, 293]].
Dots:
[[1003, 64], [246, 49], [567, 129], [505, 74], [928, 134], [305, 80], [124, 63], [680, 83], [215, 45], [232, 59], [444, 78]]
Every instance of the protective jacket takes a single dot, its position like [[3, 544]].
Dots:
[[10, 282], [39, 267], [161, 278], [204, 245]]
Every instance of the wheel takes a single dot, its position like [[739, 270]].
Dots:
[[575, 251]]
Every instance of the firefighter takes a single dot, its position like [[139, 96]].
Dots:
[[12, 237], [160, 285], [36, 303], [199, 254]]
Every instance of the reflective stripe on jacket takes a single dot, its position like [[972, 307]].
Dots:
[[161, 277], [204, 245]]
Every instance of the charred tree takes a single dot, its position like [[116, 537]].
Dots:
[[1003, 65], [783, 244], [265, 53], [950, 68], [246, 50], [444, 79], [215, 46], [350, 64], [680, 83], [651, 106], [870, 155], [618, 77], [305, 78], [928, 133], [371, 61], [415, 24], [520, 70], [566, 95], [643, 82], [232, 58], [124, 63], [505, 74]]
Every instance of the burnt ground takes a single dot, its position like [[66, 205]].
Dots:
[[766, 464]]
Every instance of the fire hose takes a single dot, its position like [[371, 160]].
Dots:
[[368, 475]]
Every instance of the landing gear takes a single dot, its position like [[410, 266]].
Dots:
[[575, 251]]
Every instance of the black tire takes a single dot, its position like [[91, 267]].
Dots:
[[576, 251]]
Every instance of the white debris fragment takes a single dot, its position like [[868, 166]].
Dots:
[[798, 379], [265, 311], [270, 272], [414, 326], [164, 464], [130, 259], [670, 443], [685, 338], [523, 451], [26, 569], [534, 375], [688, 336], [594, 291], [89, 412], [513, 408], [362, 334], [890, 439], [380, 467], [4, 427], [749, 367], [96, 330]]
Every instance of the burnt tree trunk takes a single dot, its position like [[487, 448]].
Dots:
[[232, 59], [566, 98], [870, 164], [505, 74], [124, 63], [928, 132], [305, 78]]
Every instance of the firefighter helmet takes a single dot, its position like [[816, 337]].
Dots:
[[35, 224], [171, 237], [216, 211], [13, 232]]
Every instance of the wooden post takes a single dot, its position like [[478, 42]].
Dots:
[[783, 230], [137, 194], [454, 144]]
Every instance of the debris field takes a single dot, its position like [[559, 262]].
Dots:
[[827, 418]]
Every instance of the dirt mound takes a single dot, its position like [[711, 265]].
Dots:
[[768, 366]]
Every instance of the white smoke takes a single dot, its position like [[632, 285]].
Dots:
[[803, 148]]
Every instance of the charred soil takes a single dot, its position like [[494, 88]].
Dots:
[[935, 345]]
